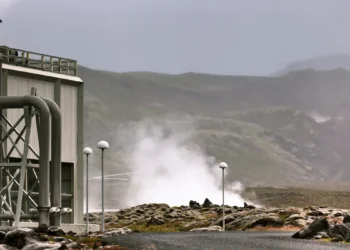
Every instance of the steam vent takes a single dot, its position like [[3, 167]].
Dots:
[[41, 160]]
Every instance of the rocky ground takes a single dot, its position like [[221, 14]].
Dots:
[[321, 223], [207, 217], [54, 238]]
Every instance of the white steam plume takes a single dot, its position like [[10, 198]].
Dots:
[[318, 117], [172, 168]]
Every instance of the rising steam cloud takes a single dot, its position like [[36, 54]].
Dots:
[[172, 168]]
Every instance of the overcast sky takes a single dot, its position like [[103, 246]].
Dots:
[[242, 37]]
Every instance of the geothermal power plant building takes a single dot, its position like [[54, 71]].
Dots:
[[33, 87]]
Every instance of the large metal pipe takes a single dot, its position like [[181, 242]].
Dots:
[[55, 174], [22, 216], [15, 102]]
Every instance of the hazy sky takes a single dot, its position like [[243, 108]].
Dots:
[[213, 36]]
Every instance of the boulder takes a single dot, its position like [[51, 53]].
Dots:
[[19, 237], [228, 219], [207, 203], [207, 229], [346, 219], [194, 204], [227, 210], [288, 212], [248, 206], [338, 213], [117, 231], [251, 221], [315, 213], [321, 235], [2, 236], [313, 229], [41, 229], [173, 215], [194, 224], [55, 231], [6, 247], [341, 230], [193, 214], [301, 223], [155, 220], [44, 246], [294, 217]]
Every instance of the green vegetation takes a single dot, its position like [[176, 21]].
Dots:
[[261, 124], [300, 197]]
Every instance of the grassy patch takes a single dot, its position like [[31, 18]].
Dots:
[[175, 226], [285, 228], [88, 241], [212, 216]]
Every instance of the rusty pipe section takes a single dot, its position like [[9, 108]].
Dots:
[[55, 171], [15, 102]]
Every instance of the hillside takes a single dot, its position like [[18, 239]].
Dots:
[[273, 130], [337, 61]]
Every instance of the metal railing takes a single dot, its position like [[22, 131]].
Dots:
[[39, 61]]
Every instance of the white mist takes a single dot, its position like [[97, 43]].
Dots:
[[172, 168]]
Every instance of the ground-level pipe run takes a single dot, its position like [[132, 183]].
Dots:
[[22, 216], [14, 102], [55, 173]]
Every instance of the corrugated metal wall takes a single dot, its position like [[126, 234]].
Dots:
[[20, 86], [69, 109]]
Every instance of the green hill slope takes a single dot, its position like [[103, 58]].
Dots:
[[261, 125]]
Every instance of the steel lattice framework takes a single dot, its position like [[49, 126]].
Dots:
[[14, 176], [19, 176]]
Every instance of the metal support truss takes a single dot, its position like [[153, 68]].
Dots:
[[15, 185]]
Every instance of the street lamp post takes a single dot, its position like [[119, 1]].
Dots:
[[102, 145], [223, 166], [87, 151]]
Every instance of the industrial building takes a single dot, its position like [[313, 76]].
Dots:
[[29, 141]]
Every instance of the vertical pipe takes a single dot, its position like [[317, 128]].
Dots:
[[223, 201], [56, 170], [87, 194], [103, 206], [14, 102]]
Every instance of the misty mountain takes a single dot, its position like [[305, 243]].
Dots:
[[273, 130], [337, 61]]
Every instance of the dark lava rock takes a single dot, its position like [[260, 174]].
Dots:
[[2, 236], [18, 237], [248, 206], [55, 231], [108, 220], [155, 220], [315, 213], [207, 203], [194, 204], [346, 219], [315, 227], [71, 233], [341, 230], [41, 229]]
